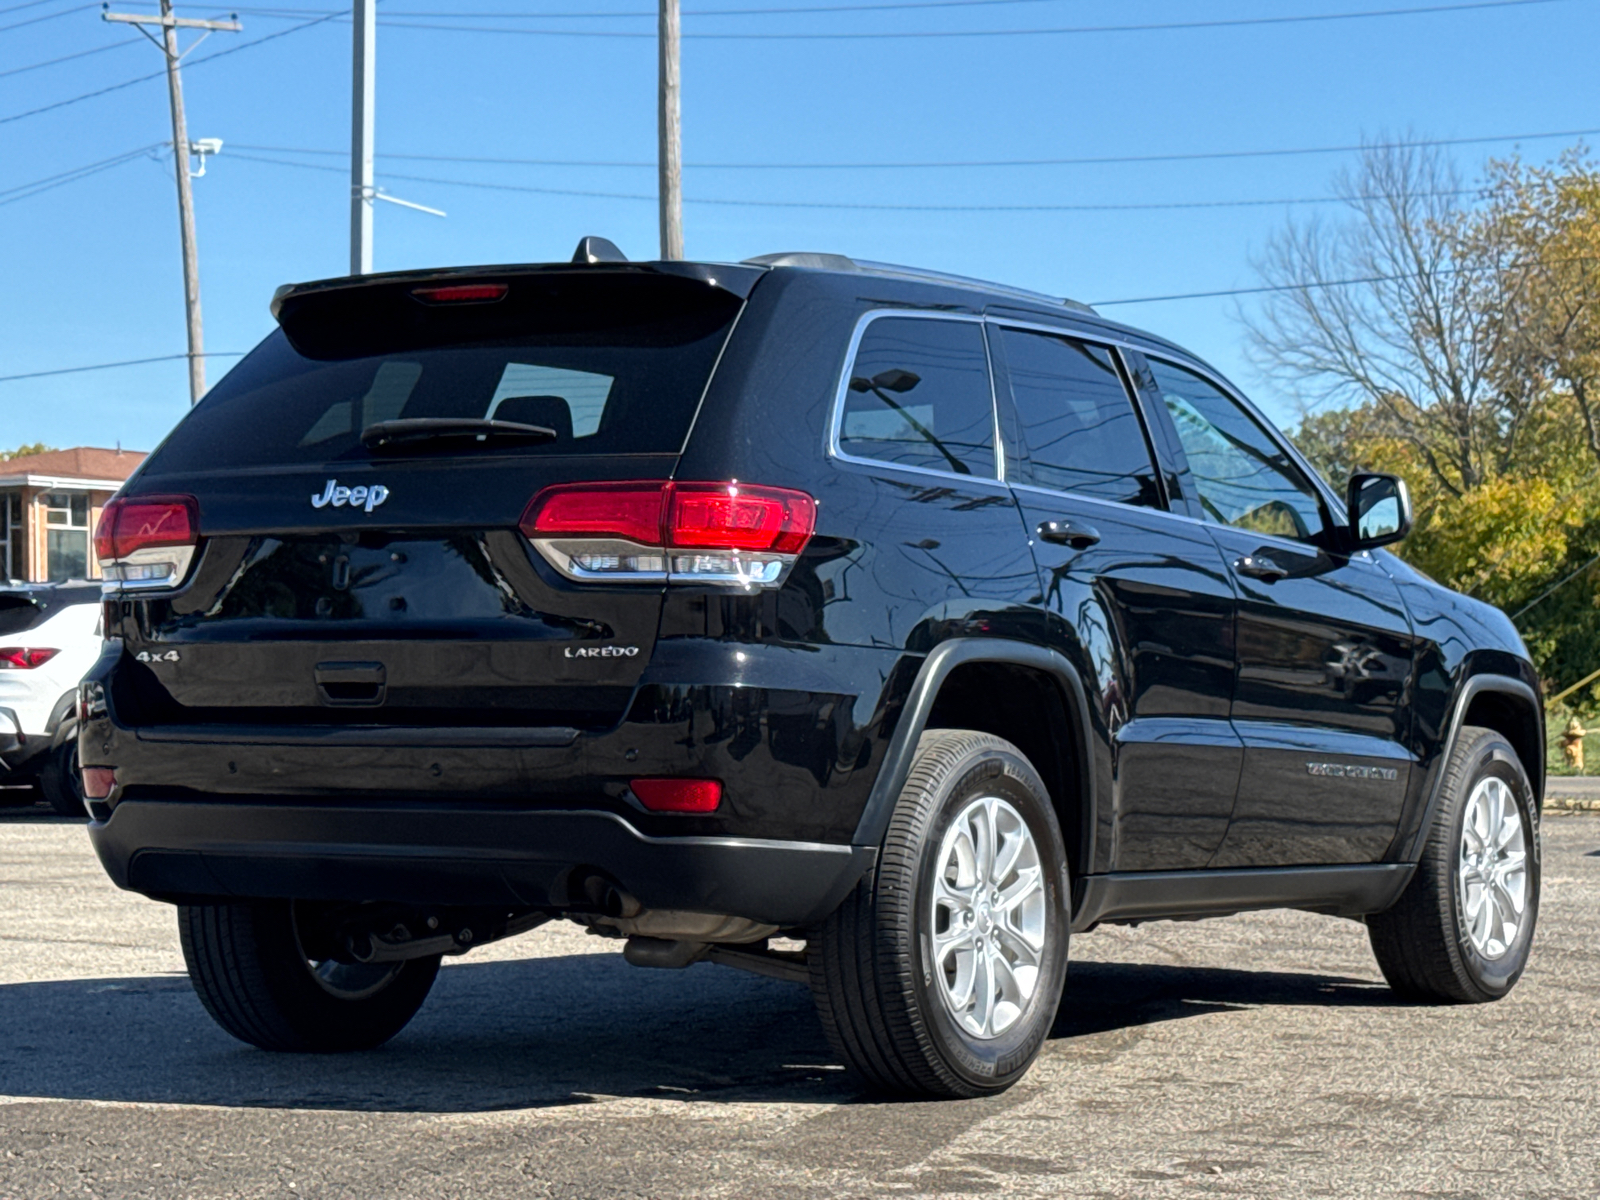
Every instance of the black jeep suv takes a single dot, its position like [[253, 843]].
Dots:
[[728, 607]]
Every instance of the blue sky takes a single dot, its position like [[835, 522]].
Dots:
[[92, 267]]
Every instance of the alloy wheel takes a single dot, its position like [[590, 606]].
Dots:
[[989, 917], [1492, 871]]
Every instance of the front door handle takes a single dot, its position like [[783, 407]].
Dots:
[[1263, 569], [1068, 533]]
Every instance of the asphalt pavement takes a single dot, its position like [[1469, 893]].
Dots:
[[1259, 1055]]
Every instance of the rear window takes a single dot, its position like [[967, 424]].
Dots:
[[614, 364], [17, 613], [23, 610]]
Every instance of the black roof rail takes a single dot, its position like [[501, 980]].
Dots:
[[839, 262]]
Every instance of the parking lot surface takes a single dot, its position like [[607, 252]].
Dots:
[[1259, 1055]]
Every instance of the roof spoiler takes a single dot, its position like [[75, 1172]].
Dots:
[[592, 254]]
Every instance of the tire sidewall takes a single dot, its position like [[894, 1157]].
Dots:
[[1494, 977], [995, 1063], [325, 1020], [61, 782]]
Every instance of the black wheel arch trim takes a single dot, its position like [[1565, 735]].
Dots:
[[1410, 847], [936, 668]]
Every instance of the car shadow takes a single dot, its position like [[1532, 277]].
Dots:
[[540, 1032], [33, 813], [1102, 997]]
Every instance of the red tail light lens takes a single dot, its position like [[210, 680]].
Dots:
[[732, 533], [461, 293], [591, 510], [147, 541], [728, 516], [98, 782], [24, 658], [127, 525], [678, 795]]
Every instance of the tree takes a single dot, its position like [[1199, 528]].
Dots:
[[1453, 338], [1539, 229], [23, 451], [1382, 311]]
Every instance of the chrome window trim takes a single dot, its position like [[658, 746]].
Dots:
[[835, 450]]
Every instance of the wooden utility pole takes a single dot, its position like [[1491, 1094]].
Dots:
[[670, 153], [180, 156], [363, 113]]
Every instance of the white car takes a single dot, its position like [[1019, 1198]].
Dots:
[[49, 637]]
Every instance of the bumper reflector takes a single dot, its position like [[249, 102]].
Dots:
[[98, 782], [678, 795]]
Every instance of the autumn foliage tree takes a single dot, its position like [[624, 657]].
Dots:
[[1452, 335]]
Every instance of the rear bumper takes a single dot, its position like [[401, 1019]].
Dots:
[[460, 854]]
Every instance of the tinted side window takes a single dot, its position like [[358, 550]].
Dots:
[[1241, 476], [919, 396], [1079, 427]]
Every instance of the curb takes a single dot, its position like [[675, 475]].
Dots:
[[1571, 804]]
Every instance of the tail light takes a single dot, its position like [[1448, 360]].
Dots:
[[678, 795], [24, 658], [741, 534], [98, 782], [147, 541]]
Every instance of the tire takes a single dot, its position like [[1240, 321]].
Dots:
[[254, 978], [62, 782], [888, 1004], [1434, 945]]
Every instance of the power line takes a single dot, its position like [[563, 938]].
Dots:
[[47, 17], [842, 205], [19, 7], [954, 163], [1325, 283], [115, 87], [1562, 582], [652, 13], [795, 10], [127, 83], [23, 191], [50, 62], [129, 362], [1152, 27]]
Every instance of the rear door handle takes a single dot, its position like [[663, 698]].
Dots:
[[1263, 569], [1068, 533]]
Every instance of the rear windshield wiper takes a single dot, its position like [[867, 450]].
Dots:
[[384, 434]]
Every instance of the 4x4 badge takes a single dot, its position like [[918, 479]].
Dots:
[[356, 497], [146, 657]]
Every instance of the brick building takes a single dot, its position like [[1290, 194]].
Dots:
[[49, 504]]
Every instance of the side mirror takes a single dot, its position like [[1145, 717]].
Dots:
[[1380, 510]]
